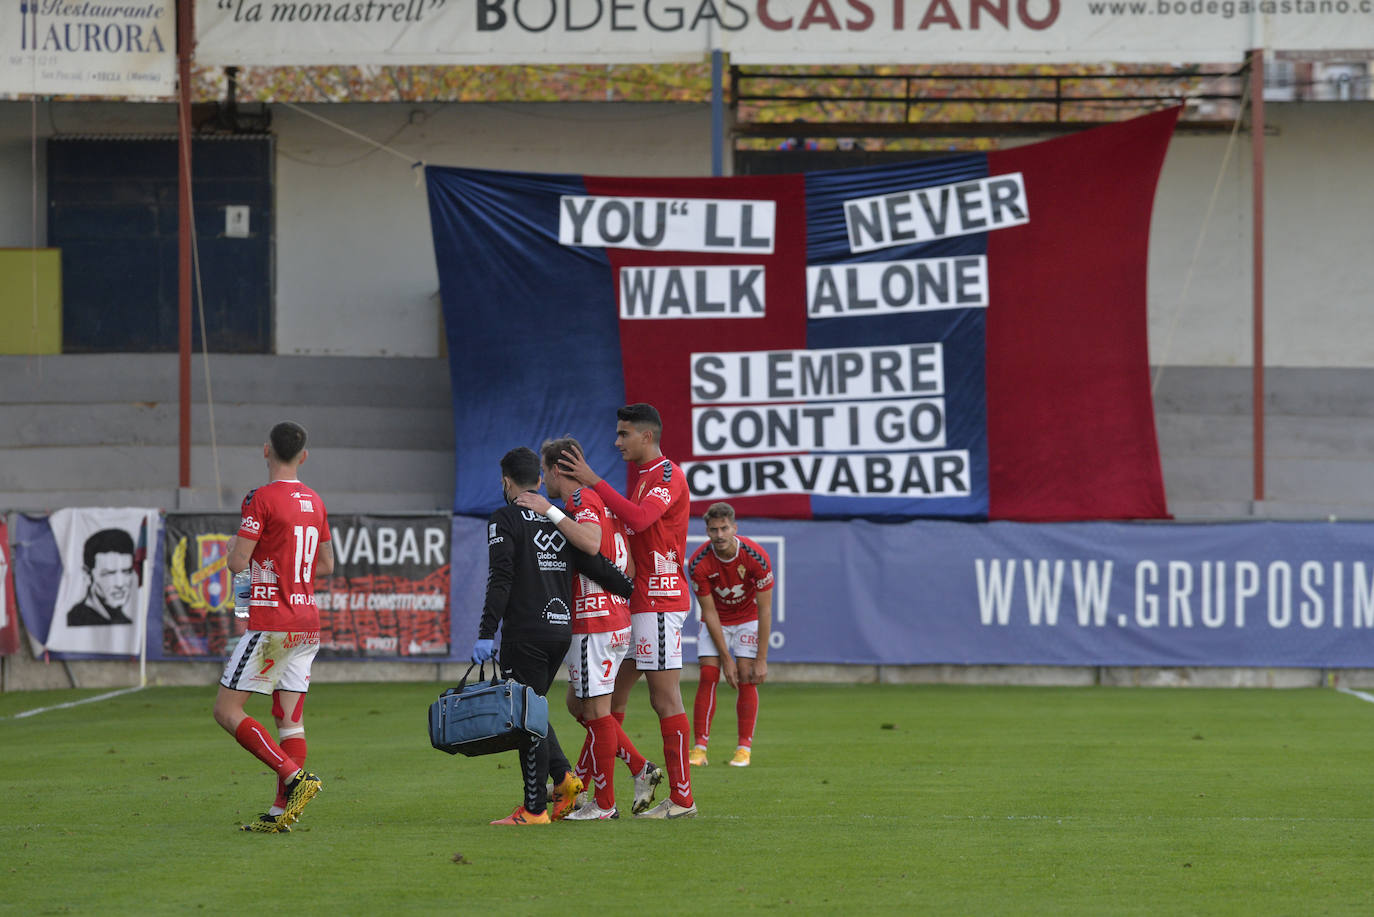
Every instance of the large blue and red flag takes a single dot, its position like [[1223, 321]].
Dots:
[[962, 337]]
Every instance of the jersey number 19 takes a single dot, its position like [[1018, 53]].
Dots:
[[307, 543]]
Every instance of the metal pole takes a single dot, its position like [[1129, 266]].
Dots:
[[1257, 259], [186, 37], [717, 112]]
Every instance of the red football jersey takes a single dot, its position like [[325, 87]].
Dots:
[[596, 611], [734, 583], [289, 523], [659, 547]]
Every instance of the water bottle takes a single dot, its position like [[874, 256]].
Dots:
[[243, 588]]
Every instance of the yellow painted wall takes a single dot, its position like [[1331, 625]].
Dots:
[[24, 328]]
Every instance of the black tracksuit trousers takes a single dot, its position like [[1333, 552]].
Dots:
[[535, 663]]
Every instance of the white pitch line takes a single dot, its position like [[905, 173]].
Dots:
[[1362, 695], [868, 816], [77, 703]]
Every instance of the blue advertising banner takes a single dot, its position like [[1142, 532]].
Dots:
[[1284, 594]]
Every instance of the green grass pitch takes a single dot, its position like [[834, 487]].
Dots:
[[861, 799]]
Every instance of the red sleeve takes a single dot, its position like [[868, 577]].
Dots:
[[762, 568], [698, 572], [585, 512], [764, 583], [638, 516], [254, 514]]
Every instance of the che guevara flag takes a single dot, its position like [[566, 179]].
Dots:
[[962, 337]]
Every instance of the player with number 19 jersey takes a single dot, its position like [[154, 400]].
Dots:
[[288, 521], [597, 610]]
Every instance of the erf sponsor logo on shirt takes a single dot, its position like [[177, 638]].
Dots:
[[596, 604], [665, 584]]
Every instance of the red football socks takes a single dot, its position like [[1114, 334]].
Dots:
[[294, 748], [253, 737], [583, 767], [625, 749], [601, 732], [704, 708], [747, 710], [675, 731]]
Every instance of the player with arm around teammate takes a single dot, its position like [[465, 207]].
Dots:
[[529, 592], [283, 539], [734, 584], [600, 629], [655, 517]]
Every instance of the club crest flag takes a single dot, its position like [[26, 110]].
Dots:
[[102, 598], [198, 598], [962, 337], [387, 597], [9, 622]]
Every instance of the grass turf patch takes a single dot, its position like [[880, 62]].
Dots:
[[890, 799]]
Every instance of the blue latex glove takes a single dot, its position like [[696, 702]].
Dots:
[[483, 650]]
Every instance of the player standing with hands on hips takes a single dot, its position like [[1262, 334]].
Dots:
[[734, 584], [283, 542], [655, 517]]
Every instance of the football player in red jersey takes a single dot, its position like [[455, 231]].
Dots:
[[655, 517], [734, 584], [600, 636], [283, 539]]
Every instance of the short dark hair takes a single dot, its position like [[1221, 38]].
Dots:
[[642, 415], [288, 441], [553, 450], [521, 465], [107, 541], [721, 510]]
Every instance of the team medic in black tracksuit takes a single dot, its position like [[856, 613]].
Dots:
[[529, 596]]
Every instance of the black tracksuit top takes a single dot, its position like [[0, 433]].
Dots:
[[529, 578]]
